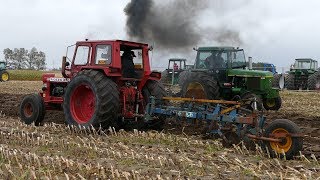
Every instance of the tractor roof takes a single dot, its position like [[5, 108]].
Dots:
[[177, 59], [216, 48], [305, 59], [111, 41]]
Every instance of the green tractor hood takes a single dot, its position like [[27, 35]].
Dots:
[[249, 73]]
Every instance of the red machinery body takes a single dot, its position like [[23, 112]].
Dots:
[[130, 89]]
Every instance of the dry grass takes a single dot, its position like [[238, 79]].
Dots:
[[29, 75], [304, 103]]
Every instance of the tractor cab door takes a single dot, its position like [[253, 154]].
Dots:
[[81, 57]]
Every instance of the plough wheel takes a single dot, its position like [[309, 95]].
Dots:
[[289, 146]]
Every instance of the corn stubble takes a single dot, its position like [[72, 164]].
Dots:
[[61, 152]]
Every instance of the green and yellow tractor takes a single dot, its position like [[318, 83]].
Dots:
[[303, 75], [4, 75], [222, 73]]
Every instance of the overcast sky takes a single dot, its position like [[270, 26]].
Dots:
[[277, 31]]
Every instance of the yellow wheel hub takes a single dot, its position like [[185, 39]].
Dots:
[[5, 76], [195, 90], [271, 102], [283, 146]]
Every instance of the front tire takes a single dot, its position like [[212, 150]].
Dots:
[[32, 109], [91, 99], [4, 75], [291, 146], [272, 104]]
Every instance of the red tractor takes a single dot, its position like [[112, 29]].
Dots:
[[96, 89]]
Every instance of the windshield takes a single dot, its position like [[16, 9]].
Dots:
[[302, 65], [2, 65], [220, 59], [70, 52]]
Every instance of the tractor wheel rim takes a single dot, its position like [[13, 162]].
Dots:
[[283, 146], [271, 102], [82, 104], [5, 77], [28, 110], [196, 90]]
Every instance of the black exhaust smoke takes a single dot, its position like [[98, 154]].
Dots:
[[169, 25], [176, 26]]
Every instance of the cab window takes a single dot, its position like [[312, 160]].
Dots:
[[103, 54], [82, 55]]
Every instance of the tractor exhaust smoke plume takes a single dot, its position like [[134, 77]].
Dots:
[[168, 25], [174, 24]]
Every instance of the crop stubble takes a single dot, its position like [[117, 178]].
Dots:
[[130, 154]]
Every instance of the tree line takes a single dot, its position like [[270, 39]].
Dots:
[[22, 58]]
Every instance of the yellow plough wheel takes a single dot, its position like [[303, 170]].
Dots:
[[5, 76], [283, 146], [289, 134]]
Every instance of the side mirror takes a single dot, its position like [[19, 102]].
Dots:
[[66, 64], [150, 48], [195, 48]]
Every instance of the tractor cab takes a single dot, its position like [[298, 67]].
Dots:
[[305, 64], [118, 59], [2, 65]]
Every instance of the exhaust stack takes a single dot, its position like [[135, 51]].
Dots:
[[250, 63]]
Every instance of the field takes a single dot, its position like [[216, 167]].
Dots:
[[55, 151], [29, 75]]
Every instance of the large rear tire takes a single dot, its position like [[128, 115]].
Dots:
[[314, 81], [156, 89], [291, 146], [276, 80], [32, 109], [4, 76], [289, 82], [183, 76], [200, 85], [165, 77], [91, 99]]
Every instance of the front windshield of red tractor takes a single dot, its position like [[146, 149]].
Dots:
[[70, 52]]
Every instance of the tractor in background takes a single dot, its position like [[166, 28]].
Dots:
[[220, 73], [176, 71], [303, 75], [93, 91], [4, 75]]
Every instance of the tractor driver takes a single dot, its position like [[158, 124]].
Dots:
[[128, 65]]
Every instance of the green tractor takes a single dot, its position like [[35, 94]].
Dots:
[[221, 73], [178, 67], [4, 75], [303, 75]]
